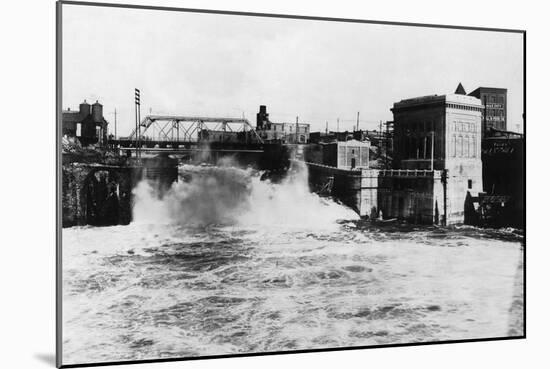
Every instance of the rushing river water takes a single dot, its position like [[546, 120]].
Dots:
[[226, 263]]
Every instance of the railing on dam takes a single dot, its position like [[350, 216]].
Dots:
[[412, 173], [329, 168], [394, 173]]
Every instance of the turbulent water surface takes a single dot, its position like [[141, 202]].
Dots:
[[225, 263]]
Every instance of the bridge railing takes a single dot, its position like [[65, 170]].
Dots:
[[172, 127], [145, 139]]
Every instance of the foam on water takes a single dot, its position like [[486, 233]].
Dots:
[[275, 268], [232, 196]]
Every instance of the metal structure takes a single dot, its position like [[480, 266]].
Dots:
[[176, 129], [137, 135]]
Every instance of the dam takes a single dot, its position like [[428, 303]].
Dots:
[[427, 170]]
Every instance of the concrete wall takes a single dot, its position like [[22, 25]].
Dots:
[[347, 188], [369, 205], [76, 178], [416, 200], [406, 195], [460, 173], [344, 185], [101, 194]]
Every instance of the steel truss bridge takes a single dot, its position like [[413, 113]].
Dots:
[[184, 132]]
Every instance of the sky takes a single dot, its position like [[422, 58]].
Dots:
[[320, 71]]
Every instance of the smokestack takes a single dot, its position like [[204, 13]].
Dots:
[[262, 117], [296, 129]]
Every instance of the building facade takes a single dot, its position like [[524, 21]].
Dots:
[[503, 179], [436, 176], [441, 133], [493, 115], [291, 133], [348, 155], [87, 123]]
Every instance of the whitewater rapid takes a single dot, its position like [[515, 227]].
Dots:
[[226, 263]]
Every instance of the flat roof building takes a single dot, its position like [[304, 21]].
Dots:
[[294, 133], [493, 115], [432, 131], [442, 132], [350, 154], [87, 123]]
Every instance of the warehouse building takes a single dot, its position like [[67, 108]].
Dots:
[[287, 133], [87, 124]]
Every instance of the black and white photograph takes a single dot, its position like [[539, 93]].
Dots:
[[243, 184]]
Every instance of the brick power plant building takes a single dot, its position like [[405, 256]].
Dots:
[[87, 123], [436, 176], [441, 134], [493, 115]]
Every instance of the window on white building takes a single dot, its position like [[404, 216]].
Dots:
[[454, 146]]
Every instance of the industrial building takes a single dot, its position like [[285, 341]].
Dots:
[[493, 115], [437, 133], [350, 155], [291, 133], [436, 176], [87, 124], [503, 157]]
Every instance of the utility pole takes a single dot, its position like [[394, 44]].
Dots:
[[115, 122], [139, 127], [357, 121], [387, 141], [135, 123], [432, 156], [296, 130], [138, 116], [380, 140]]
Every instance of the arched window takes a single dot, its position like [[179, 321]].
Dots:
[[429, 148], [459, 149], [454, 146], [467, 146]]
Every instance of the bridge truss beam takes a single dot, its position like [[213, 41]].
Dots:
[[177, 128]]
